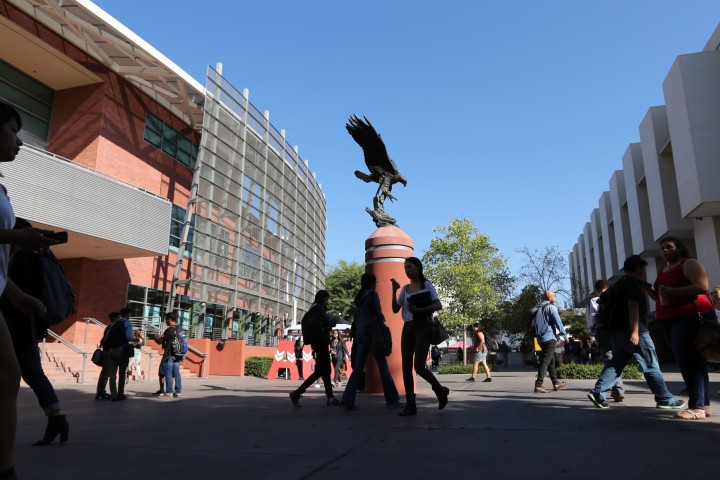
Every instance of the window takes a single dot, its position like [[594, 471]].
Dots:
[[176, 227], [32, 99], [163, 136]]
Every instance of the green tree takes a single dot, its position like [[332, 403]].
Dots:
[[342, 282], [515, 312], [470, 275], [574, 320]]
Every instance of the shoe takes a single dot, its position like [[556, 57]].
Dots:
[[177, 395], [102, 396], [159, 392], [338, 385], [559, 385], [295, 399], [617, 395], [488, 379], [408, 411], [317, 385], [691, 414], [332, 401], [674, 405], [57, 425], [442, 396], [471, 379], [595, 398], [163, 395], [540, 389], [346, 407], [119, 398]]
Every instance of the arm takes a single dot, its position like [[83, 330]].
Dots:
[[696, 275], [555, 316], [395, 304], [378, 308], [128, 331], [27, 237], [648, 289], [27, 304], [481, 340], [634, 318], [433, 307]]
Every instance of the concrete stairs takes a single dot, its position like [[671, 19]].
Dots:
[[63, 365]]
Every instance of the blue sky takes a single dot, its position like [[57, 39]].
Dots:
[[511, 114]]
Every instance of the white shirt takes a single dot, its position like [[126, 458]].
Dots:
[[7, 222], [592, 310], [403, 299]]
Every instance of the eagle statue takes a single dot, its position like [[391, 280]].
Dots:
[[382, 168]]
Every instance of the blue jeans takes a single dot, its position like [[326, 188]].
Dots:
[[34, 376], [172, 370], [360, 357], [681, 335], [644, 354]]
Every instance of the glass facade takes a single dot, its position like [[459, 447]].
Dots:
[[166, 138], [260, 224], [32, 99]]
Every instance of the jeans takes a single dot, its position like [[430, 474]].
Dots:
[[117, 364], [547, 363], [414, 348], [604, 340], [644, 353], [34, 376], [359, 358], [322, 370], [681, 335], [172, 371]]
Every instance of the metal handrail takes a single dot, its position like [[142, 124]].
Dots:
[[203, 354], [71, 347], [87, 322]]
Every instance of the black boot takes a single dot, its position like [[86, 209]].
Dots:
[[410, 408], [57, 425], [442, 395]]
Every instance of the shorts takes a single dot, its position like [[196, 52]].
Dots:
[[480, 356]]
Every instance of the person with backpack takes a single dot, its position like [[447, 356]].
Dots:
[[25, 331], [597, 319], [630, 337], [481, 353], [316, 326], [545, 321], [174, 343]]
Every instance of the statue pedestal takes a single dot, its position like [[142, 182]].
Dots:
[[385, 253]]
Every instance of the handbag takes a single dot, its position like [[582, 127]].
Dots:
[[97, 357], [707, 340], [128, 350], [437, 332], [382, 339]]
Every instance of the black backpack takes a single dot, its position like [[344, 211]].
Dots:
[[491, 343], [39, 274], [177, 343], [608, 304], [537, 323], [313, 327]]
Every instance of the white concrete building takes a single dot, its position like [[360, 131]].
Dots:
[[669, 183]]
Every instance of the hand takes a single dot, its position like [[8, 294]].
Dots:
[[634, 338], [33, 238], [28, 304], [395, 285]]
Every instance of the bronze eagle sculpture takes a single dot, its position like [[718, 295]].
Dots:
[[382, 168]]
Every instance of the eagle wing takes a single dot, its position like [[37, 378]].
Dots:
[[376, 156]]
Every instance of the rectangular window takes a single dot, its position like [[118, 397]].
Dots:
[[176, 226], [32, 99], [163, 136]]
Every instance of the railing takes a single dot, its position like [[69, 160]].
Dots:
[[87, 323], [202, 354], [71, 347]]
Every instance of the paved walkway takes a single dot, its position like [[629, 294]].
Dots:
[[238, 427]]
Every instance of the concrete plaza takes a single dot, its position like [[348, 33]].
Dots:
[[243, 427]]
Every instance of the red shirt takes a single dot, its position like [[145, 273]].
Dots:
[[679, 306]]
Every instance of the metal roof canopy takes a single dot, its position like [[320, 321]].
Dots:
[[104, 38]]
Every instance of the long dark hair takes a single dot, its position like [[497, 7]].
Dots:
[[8, 112], [416, 261], [367, 282], [678, 243]]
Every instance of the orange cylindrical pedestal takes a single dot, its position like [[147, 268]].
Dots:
[[385, 253]]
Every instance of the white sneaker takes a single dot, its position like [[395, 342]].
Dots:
[[317, 385]]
